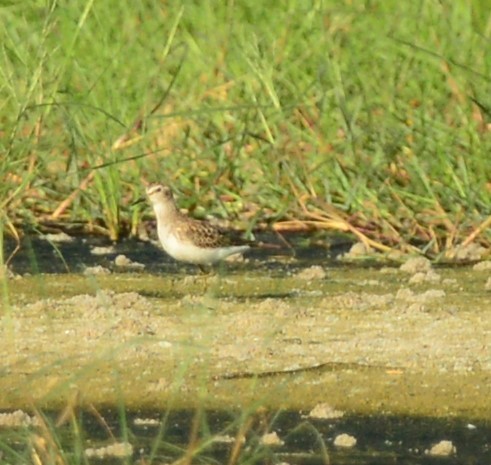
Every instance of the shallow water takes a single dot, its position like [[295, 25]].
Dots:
[[386, 439], [400, 358], [214, 437]]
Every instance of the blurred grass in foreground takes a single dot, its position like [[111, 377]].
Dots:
[[81, 434], [370, 117]]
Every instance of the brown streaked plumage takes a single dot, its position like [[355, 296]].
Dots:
[[187, 239]]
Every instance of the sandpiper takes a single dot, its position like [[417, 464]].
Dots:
[[187, 239]]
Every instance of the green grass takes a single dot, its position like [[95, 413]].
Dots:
[[378, 108], [78, 434]]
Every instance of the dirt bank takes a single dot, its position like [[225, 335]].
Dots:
[[363, 340]]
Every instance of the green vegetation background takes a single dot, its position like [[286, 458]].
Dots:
[[366, 114]]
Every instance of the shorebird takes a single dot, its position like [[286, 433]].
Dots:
[[187, 239]]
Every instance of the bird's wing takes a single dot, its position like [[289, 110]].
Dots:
[[206, 235]]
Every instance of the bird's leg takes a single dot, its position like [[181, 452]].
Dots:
[[204, 270]]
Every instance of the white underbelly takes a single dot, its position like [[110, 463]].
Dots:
[[187, 252]]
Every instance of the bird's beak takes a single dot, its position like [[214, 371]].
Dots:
[[137, 201]]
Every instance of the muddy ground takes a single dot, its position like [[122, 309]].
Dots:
[[387, 340]]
